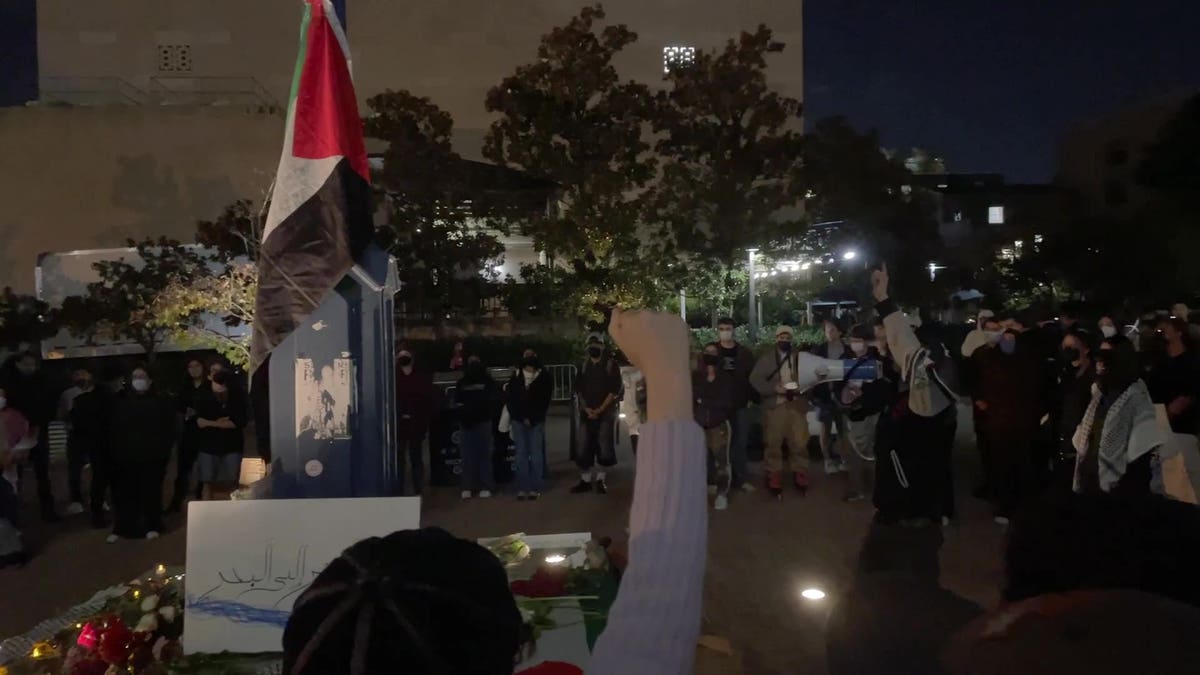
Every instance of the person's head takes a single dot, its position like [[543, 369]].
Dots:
[[860, 339], [27, 363], [1068, 318], [1108, 328], [1173, 329], [1116, 365], [710, 356], [1008, 341], [1075, 348], [195, 369], [459, 348], [214, 368], [595, 347], [222, 380], [725, 327], [139, 380], [530, 363], [1180, 310], [1015, 322], [783, 338], [474, 361], [984, 316], [82, 378], [833, 332], [404, 358], [413, 601]]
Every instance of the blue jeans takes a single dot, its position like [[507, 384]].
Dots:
[[475, 450], [741, 423], [531, 455]]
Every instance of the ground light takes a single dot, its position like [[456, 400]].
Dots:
[[555, 558], [813, 594]]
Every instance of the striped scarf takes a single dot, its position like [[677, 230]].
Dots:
[[1130, 431]]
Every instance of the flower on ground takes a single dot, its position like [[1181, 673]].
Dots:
[[546, 582]]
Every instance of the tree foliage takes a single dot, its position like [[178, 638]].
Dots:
[[730, 148], [569, 118], [121, 304], [23, 319], [438, 227]]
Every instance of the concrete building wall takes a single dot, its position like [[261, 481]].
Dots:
[[79, 178], [118, 148]]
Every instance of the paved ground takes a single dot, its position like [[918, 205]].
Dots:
[[761, 554]]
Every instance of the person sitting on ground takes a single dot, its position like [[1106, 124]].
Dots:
[[424, 601]]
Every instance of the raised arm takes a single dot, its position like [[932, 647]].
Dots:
[[902, 341], [654, 623]]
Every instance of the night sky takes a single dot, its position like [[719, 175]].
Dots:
[[989, 84]]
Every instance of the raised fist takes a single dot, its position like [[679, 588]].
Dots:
[[879, 283]]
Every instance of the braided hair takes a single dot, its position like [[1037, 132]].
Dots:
[[415, 601]]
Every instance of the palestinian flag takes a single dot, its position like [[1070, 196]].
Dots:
[[320, 216]]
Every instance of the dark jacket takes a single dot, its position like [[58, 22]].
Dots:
[[596, 381], [215, 441], [1074, 395], [191, 398], [1010, 385], [477, 395], [89, 418], [414, 402], [738, 363], [712, 401], [529, 402], [141, 427]]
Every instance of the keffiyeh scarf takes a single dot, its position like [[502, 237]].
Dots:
[[1130, 431]]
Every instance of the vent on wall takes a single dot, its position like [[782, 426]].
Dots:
[[175, 58]]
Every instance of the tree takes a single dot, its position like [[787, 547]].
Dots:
[[438, 227], [225, 286], [121, 304], [567, 117], [850, 179], [730, 149], [23, 319]]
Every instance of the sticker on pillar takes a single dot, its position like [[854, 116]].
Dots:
[[324, 399]]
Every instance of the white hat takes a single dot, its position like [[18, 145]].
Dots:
[[986, 314], [783, 329]]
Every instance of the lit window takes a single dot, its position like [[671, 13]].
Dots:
[[1037, 238], [678, 57], [958, 216], [995, 215]]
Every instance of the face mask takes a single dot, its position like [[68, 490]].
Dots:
[[993, 336], [1008, 346], [710, 359], [1108, 331], [858, 347], [1070, 354], [784, 346], [595, 352], [140, 384], [405, 360], [725, 335]]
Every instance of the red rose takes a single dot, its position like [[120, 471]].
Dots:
[[113, 642], [546, 582], [553, 668]]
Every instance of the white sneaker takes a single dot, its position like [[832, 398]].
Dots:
[[748, 487], [722, 503], [842, 468], [112, 539], [74, 509], [485, 494], [466, 494], [153, 534], [1000, 520], [831, 467]]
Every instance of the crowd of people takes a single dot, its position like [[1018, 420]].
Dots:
[[123, 427]]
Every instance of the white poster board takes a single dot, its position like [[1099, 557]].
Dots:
[[247, 561]]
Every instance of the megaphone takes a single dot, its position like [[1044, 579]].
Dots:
[[812, 370]]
